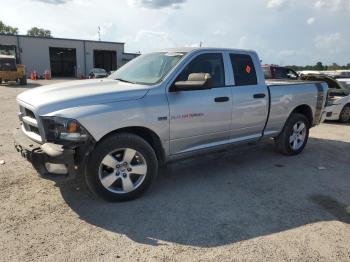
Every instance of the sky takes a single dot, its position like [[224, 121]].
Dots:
[[283, 32]]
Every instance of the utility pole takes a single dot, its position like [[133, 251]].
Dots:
[[99, 33]]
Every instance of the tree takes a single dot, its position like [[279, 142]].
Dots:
[[319, 66], [41, 32], [8, 30], [334, 66]]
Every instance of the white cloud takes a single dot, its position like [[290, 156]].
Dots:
[[278, 4], [242, 42], [156, 4], [151, 40], [310, 21], [220, 32], [333, 5], [287, 53], [53, 2], [331, 43]]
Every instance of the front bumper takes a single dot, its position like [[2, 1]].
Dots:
[[47, 158], [323, 116]]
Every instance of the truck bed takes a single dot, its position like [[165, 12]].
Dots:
[[283, 101], [286, 82]]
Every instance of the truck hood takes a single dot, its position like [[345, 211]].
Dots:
[[51, 98]]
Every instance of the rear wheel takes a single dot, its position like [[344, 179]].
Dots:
[[122, 167], [294, 136], [345, 114]]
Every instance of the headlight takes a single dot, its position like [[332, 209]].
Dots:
[[64, 129]]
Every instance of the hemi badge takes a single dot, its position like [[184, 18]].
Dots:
[[162, 118]]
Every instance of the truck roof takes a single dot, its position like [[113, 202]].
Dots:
[[192, 49]]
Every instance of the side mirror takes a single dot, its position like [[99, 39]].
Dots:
[[195, 81]]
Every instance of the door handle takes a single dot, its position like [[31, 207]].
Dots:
[[259, 96], [221, 99]]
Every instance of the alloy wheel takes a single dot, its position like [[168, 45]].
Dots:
[[297, 138], [122, 170]]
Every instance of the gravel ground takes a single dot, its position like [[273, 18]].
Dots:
[[250, 204]]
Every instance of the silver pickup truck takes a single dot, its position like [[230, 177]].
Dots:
[[159, 107]]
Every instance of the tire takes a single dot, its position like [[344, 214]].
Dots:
[[290, 141], [345, 114], [23, 81], [109, 178]]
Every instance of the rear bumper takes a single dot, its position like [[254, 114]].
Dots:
[[47, 158]]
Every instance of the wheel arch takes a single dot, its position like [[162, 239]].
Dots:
[[147, 134], [300, 109], [304, 110], [347, 104]]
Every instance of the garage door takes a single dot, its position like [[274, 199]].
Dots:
[[63, 62], [105, 59]]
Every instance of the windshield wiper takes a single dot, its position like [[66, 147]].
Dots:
[[126, 81]]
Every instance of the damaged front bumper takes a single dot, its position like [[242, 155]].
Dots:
[[47, 158]]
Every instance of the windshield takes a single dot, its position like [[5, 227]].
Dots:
[[147, 69], [99, 70], [7, 64]]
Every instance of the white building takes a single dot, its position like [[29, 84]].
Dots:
[[64, 57]]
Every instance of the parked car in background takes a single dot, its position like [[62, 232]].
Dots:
[[279, 72], [345, 82], [98, 73], [310, 72], [342, 74], [161, 107], [338, 105]]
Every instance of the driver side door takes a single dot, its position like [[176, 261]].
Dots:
[[200, 119]]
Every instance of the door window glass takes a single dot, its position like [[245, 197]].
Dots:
[[207, 63], [243, 70]]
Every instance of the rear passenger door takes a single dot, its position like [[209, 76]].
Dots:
[[249, 97]]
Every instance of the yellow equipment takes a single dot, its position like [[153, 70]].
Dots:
[[10, 71]]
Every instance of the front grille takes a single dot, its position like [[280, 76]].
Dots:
[[30, 124], [29, 113], [34, 130]]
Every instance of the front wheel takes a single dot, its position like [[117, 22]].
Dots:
[[122, 167], [294, 135]]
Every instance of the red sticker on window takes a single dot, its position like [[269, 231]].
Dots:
[[248, 69]]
